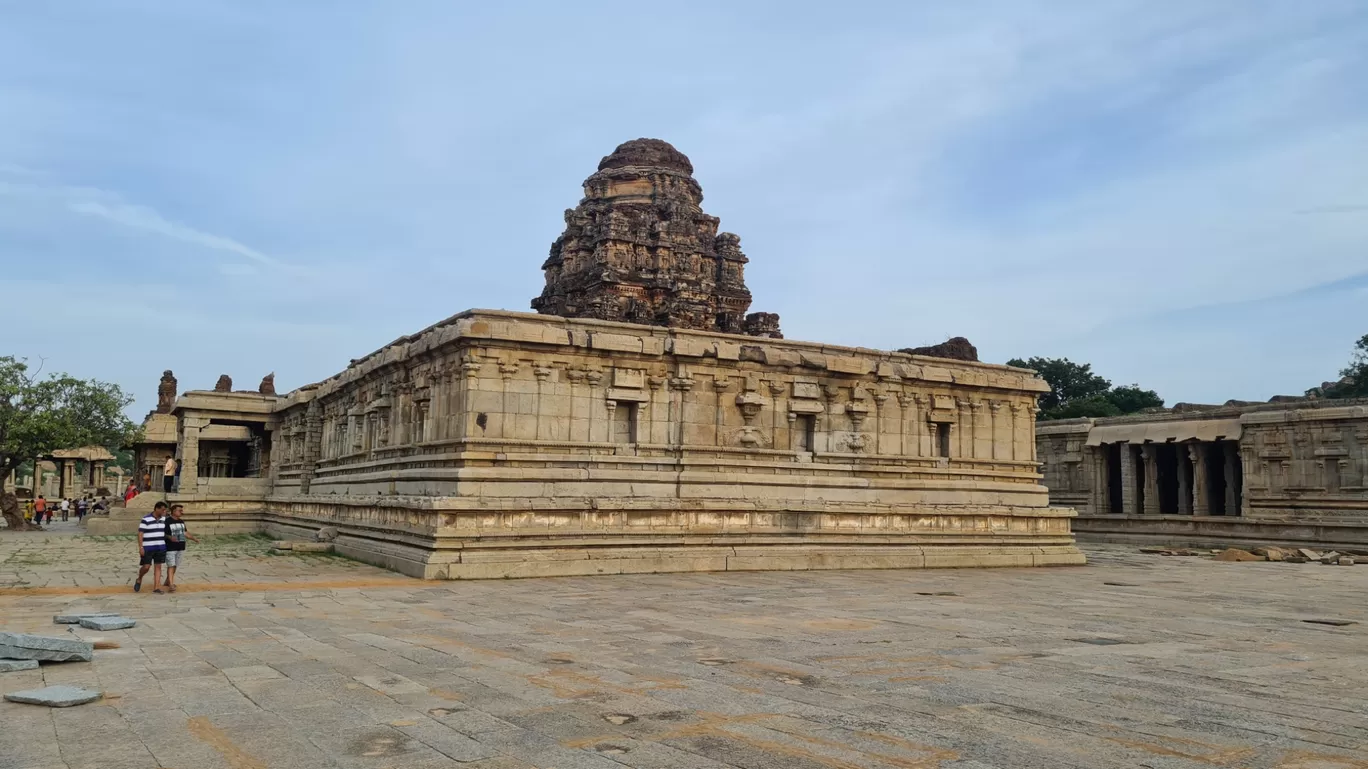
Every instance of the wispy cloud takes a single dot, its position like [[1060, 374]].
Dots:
[[148, 220]]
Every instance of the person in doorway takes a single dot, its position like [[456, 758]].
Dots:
[[66, 509], [39, 509], [169, 474], [151, 546], [176, 534]]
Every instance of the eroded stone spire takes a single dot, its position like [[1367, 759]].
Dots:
[[638, 248]]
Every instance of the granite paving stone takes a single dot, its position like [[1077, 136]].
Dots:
[[59, 696], [1178, 663], [12, 666]]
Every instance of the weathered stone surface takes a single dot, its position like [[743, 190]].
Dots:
[[1294, 472], [166, 392], [55, 696], [10, 666], [267, 386], [1235, 554], [75, 619], [107, 623], [326, 534], [312, 547], [224, 384], [283, 544], [36, 647], [639, 249], [955, 348]]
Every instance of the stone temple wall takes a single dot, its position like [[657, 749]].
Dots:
[[1284, 472], [508, 444]]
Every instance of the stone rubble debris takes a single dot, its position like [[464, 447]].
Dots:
[[23, 646], [1235, 554], [107, 623], [10, 666], [326, 534], [55, 696], [75, 619]]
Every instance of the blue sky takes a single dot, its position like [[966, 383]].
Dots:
[[1174, 192]]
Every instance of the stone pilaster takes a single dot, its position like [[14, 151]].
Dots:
[[1148, 453], [983, 430], [313, 439]]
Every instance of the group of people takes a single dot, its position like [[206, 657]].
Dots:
[[161, 541], [41, 511]]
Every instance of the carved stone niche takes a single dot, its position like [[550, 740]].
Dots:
[[751, 404]]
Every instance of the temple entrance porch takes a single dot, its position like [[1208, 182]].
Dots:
[[1177, 478]]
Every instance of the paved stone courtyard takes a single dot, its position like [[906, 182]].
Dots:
[[291, 661]]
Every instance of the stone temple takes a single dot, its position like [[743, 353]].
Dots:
[[643, 421]]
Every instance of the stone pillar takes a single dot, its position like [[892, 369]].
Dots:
[[1148, 452], [1201, 502], [1233, 501], [964, 430], [37, 477], [98, 474], [189, 455], [1130, 503], [67, 469], [1184, 467], [1101, 480]]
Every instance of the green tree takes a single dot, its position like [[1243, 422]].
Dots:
[[1130, 399], [1075, 391], [1354, 377], [1069, 381], [41, 415]]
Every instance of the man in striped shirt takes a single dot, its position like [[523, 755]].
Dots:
[[152, 546]]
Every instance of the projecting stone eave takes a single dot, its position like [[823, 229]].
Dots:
[[505, 326]]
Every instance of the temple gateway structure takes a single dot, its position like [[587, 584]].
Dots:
[[645, 421]]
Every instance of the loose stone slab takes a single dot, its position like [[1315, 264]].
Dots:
[[55, 696], [107, 623], [75, 619], [10, 666], [23, 646]]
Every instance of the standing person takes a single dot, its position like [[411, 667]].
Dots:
[[82, 507], [152, 546], [131, 491], [28, 511], [169, 474], [176, 534], [39, 509], [66, 508]]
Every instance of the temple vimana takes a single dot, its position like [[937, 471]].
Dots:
[[644, 420]]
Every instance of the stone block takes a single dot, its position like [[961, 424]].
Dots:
[[23, 646], [75, 619], [10, 666], [326, 534], [312, 547], [847, 365], [1234, 554], [1309, 553], [283, 544], [107, 623], [55, 696]]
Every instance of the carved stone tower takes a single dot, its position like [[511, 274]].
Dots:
[[639, 249]]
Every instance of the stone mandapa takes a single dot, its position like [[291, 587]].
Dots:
[[55, 696], [23, 646]]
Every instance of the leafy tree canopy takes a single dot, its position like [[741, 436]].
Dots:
[[41, 415], [1354, 377], [1077, 392]]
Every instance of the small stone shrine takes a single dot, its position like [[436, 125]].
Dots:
[[644, 421]]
